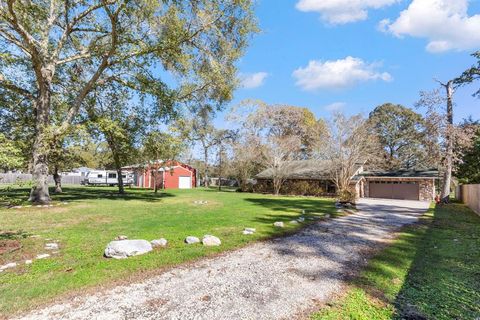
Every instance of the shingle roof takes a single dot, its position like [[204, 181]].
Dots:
[[425, 173], [302, 169]]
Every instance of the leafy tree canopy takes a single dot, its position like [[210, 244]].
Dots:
[[401, 133]]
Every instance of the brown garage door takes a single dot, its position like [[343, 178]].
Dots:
[[394, 190]]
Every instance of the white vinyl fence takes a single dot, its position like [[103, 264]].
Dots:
[[9, 178]]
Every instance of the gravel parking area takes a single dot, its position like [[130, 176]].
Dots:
[[278, 279]]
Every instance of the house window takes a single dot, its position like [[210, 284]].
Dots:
[[124, 176], [100, 176], [112, 175]]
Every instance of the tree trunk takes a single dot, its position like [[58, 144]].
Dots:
[[154, 174], [447, 176], [277, 185], [205, 159], [118, 165], [220, 170], [121, 188], [58, 181], [40, 149]]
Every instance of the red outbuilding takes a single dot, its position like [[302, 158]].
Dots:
[[169, 175]]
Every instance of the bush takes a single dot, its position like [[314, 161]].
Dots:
[[346, 196]]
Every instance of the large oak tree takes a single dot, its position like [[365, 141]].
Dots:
[[66, 48]]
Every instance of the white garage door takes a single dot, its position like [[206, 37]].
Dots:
[[185, 182]]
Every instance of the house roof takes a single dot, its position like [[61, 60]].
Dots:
[[424, 173], [302, 169], [318, 170]]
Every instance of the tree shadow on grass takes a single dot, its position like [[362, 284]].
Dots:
[[443, 281], [294, 205], [74, 194]]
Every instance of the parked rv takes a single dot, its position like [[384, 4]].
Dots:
[[107, 177]]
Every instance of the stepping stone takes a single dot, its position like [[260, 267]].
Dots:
[[278, 224], [51, 246], [42, 256], [28, 261], [248, 231], [8, 266], [191, 240], [159, 242], [209, 241]]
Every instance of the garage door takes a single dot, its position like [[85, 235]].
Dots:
[[394, 190], [185, 182]]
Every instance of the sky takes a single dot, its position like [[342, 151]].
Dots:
[[353, 55]]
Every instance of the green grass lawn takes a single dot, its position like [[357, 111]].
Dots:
[[432, 271], [95, 216]]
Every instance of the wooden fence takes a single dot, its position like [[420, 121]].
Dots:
[[9, 178], [470, 195]]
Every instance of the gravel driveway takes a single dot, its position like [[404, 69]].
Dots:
[[278, 279]]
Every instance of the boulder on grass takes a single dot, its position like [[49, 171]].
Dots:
[[209, 240], [249, 231], [191, 240], [159, 242], [279, 224], [126, 248]]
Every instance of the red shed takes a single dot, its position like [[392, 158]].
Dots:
[[170, 175]]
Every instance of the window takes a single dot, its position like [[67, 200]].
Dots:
[[112, 175], [124, 176], [100, 176]]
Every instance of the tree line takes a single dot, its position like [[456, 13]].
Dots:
[[111, 83]]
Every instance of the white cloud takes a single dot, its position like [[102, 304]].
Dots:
[[336, 106], [337, 74], [342, 11], [445, 23], [253, 80]]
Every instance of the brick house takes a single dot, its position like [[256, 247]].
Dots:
[[309, 177], [170, 175]]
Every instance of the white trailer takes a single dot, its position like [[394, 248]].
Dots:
[[108, 177]]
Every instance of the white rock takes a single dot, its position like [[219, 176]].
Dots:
[[294, 222], [301, 219], [159, 242], [51, 246], [252, 230], [279, 224], [28, 261], [191, 240], [247, 232], [42, 256], [8, 265], [327, 216], [209, 240], [127, 248], [16, 207]]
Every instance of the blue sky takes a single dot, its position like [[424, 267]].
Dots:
[[360, 59]]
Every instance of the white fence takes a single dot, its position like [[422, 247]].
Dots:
[[470, 195], [9, 178]]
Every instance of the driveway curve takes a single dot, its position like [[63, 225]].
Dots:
[[278, 279]]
